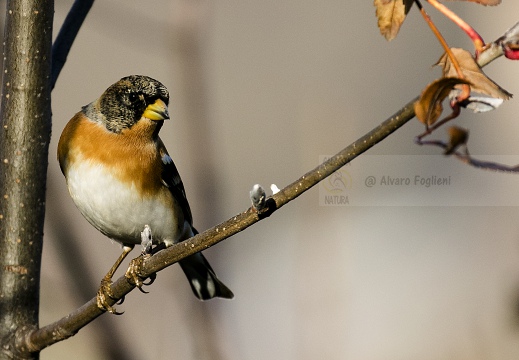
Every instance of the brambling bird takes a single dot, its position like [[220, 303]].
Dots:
[[121, 177]]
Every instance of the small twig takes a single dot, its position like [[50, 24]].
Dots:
[[456, 110], [466, 158]]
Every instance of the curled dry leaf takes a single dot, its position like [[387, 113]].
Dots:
[[457, 136], [429, 107], [391, 14], [483, 2], [472, 72]]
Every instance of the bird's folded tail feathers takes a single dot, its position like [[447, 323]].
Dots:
[[204, 282]]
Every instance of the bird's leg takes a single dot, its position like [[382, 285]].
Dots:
[[133, 274], [104, 291]]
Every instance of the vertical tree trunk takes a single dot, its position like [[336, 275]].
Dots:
[[25, 127]]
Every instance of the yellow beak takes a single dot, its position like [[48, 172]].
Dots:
[[157, 111]]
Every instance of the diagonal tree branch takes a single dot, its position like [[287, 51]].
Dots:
[[69, 325], [72, 323], [36, 340], [67, 35]]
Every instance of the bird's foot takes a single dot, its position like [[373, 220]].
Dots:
[[134, 273], [103, 294]]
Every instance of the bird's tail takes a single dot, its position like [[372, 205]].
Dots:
[[204, 282]]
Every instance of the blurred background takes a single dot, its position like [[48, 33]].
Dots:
[[260, 91]]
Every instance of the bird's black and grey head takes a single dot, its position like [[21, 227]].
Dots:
[[124, 103]]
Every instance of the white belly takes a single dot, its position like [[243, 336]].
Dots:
[[116, 210]]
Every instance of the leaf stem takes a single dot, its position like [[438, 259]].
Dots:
[[465, 88], [478, 41]]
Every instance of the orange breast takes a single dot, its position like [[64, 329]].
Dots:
[[132, 155]]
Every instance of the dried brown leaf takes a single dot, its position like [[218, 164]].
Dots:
[[391, 14], [472, 72], [483, 2], [457, 136], [429, 107]]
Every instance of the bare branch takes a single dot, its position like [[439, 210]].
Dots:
[[72, 323], [67, 35], [507, 45]]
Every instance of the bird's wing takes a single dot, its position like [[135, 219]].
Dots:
[[171, 178]]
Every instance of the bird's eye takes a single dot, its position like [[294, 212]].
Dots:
[[133, 97]]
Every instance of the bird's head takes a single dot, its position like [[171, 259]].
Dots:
[[129, 100]]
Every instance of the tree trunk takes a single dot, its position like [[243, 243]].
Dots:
[[25, 128]]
